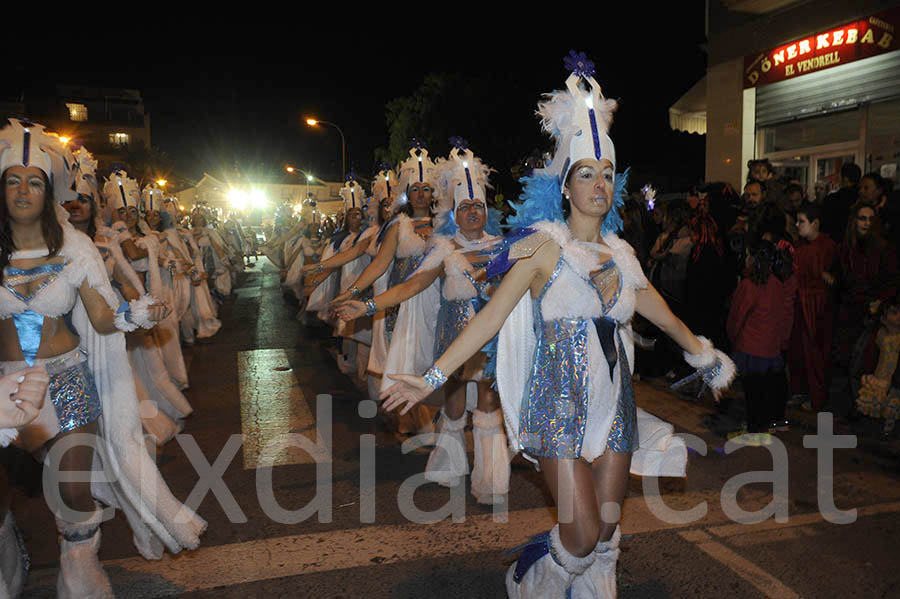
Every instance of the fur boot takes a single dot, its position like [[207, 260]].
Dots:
[[81, 575], [448, 463], [545, 570], [490, 471], [599, 581]]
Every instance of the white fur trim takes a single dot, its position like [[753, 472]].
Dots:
[[707, 358], [408, 241], [612, 543], [570, 563], [7, 436], [441, 246], [140, 314]]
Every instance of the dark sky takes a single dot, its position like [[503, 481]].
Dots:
[[247, 108]]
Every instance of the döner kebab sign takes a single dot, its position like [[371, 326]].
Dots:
[[861, 39]]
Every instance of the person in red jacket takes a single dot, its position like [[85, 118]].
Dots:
[[758, 326], [814, 262]]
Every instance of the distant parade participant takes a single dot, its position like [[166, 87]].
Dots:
[[565, 350], [379, 213], [402, 248], [58, 309], [459, 240]]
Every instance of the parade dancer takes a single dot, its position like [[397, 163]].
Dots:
[[85, 217], [459, 239], [402, 248], [203, 309], [565, 350], [161, 282], [383, 186], [122, 192], [213, 251], [58, 309]]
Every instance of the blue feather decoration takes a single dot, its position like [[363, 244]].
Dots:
[[493, 226], [613, 221], [541, 200]]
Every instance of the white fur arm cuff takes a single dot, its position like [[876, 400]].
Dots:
[[7, 436], [713, 365], [135, 313]]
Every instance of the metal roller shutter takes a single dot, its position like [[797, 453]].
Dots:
[[831, 90]]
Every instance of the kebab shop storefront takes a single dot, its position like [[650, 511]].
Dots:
[[830, 98]]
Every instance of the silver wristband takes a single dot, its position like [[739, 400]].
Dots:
[[371, 308], [435, 377], [319, 269], [354, 291]]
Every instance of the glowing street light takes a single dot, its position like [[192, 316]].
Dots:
[[290, 169], [314, 122], [65, 139], [161, 182], [238, 199]]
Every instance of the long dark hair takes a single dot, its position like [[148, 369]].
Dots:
[[767, 259], [50, 227]]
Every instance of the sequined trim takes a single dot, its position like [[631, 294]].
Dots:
[[75, 397], [451, 320], [15, 277], [403, 267]]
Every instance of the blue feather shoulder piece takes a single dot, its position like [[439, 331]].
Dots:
[[541, 199]]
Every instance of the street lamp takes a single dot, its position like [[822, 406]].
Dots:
[[161, 182], [314, 122], [309, 178]]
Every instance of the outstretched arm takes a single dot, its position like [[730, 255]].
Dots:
[[338, 260], [377, 266], [411, 389], [398, 293]]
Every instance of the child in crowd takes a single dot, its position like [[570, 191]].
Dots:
[[814, 262], [879, 396], [758, 325]]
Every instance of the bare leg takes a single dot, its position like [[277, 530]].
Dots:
[[571, 483], [610, 472], [75, 495], [455, 398]]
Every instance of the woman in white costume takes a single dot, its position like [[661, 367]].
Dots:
[[57, 309], [357, 335], [161, 282], [203, 308], [457, 242], [214, 253], [84, 217], [179, 267], [565, 352], [122, 192], [384, 184], [402, 249]]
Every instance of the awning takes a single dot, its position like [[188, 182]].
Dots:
[[689, 112]]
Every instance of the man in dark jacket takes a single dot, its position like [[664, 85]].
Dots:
[[837, 204]]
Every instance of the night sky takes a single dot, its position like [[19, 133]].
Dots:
[[214, 111]]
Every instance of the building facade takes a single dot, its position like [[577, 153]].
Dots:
[[810, 85]]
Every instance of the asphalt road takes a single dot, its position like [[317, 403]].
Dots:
[[258, 381]]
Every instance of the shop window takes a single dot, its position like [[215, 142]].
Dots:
[[119, 139], [807, 133], [77, 112], [883, 139]]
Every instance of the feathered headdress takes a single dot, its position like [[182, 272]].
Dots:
[[385, 183], [461, 177], [152, 193], [121, 191], [23, 143], [418, 168], [352, 192], [86, 174], [578, 118]]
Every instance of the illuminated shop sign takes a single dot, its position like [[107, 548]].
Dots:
[[861, 39]]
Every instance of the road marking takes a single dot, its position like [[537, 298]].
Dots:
[[766, 583], [731, 530], [273, 405]]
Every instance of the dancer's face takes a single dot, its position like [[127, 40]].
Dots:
[[805, 228], [590, 186], [421, 195], [79, 209], [354, 219], [153, 218], [471, 216], [385, 208], [26, 192]]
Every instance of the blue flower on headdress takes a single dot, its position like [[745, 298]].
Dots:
[[384, 166], [351, 176], [459, 143], [578, 63], [419, 145]]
